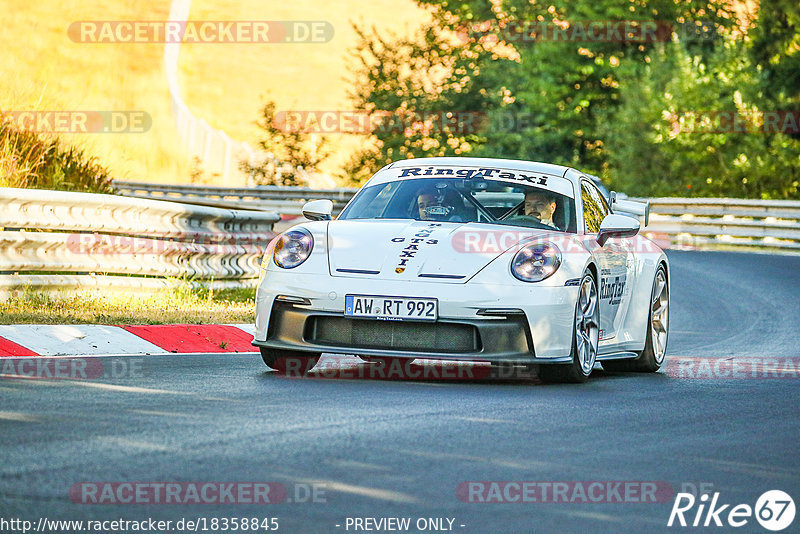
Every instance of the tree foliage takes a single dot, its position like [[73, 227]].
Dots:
[[693, 126], [615, 107], [295, 153], [422, 95]]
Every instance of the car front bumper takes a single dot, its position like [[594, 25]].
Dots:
[[497, 323]]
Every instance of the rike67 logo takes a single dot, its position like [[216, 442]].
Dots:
[[774, 510]]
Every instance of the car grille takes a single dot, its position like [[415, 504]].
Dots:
[[392, 335]]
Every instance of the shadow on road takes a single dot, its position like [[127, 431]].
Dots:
[[436, 372]]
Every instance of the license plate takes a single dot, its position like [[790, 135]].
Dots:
[[391, 308]]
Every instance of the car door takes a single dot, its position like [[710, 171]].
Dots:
[[614, 261]]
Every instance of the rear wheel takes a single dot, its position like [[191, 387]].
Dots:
[[585, 338], [655, 345], [289, 361]]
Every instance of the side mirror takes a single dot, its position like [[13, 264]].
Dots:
[[318, 210], [617, 226]]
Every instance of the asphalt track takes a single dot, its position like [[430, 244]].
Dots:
[[398, 448]]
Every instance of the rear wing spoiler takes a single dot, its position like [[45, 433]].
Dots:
[[630, 207]]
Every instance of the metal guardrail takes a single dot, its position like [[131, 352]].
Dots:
[[714, 222], [284, 200], [54, 239], [63, 239], [674, 222]]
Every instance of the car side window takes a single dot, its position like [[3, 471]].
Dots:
[[594, 208]]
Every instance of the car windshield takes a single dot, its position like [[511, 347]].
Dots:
[[461, 201]]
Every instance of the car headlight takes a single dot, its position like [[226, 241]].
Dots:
[[293, 248], [535, 262]]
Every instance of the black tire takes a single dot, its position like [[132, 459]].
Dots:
[[573, 372], [289, 361], [646, 361]]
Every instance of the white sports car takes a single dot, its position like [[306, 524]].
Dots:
[[510, 262]]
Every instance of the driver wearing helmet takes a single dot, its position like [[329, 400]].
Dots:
[[437, 204]]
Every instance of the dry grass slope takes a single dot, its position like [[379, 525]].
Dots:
[[43, 69], [303, 76]]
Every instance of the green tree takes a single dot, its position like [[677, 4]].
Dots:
[[295, 152], [776, 50], [563, 85], [421, 95], [542, 96], [694, 126], [619, 108]]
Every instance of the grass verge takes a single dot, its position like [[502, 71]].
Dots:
[[39, 161], [183, 305]]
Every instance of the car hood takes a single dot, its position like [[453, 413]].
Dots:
[[417, 250]]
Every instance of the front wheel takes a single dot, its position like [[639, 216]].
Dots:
[[585, 338], [655, 345], [289, 362]]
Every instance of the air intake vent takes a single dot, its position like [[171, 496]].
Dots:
[[392, 335]]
